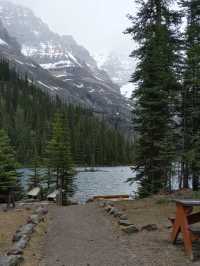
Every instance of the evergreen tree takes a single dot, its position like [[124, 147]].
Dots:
[[35, 179], [9, 178], [191, 95], [154, 30], [59, 156]]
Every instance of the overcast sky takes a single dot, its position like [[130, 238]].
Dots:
[[96, 24]]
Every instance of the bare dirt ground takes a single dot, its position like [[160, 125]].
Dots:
[[33, 253], [88, 236], [9, 223], [155, 248], [83, 236]]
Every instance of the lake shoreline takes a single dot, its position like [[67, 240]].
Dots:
[[104, 181]]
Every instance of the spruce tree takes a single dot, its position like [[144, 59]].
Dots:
[[191, 95], [9, 178], [154, 29], [36, 175], [59, 156]]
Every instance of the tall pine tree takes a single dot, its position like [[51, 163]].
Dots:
[[154, 29], [9, 178], [59, 157], [191, 95]]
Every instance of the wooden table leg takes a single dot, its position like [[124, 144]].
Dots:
[[181, 224], [176, 226]]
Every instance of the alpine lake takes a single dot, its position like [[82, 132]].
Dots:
[[90, 182]]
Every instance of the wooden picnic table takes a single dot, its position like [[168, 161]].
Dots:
[[181, 224]]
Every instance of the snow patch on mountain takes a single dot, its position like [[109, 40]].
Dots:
[[57, 65], [2, 42], [101, 59], [127, 90], [53, 88], [118, 66]]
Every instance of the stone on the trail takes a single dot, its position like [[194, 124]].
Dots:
[[41, 211], [108, 208], [124, 216], [118, 214], [18, 247], [150, 227], [113, 210], [130, 229], [25, 230], [167, 226], [124, 222], [10, 260], [34, 219]]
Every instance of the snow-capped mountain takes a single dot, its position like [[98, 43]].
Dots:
[[57, 63], [61, 55]]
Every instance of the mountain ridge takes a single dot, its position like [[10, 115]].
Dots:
[[70, 77]]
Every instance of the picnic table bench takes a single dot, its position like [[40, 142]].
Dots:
[[181, 224]]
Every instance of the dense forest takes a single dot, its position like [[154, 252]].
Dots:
[[167, 95], [26, 114]]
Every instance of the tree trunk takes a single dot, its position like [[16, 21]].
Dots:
[[185, 174], [195, 183]]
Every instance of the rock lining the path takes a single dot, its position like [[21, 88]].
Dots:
[[130, 229], [19, 246], [150, 227], [125, 225], [24, 230], [124, 222], [10, 260], [22, 237]]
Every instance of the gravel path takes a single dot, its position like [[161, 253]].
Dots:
[[83, 236]]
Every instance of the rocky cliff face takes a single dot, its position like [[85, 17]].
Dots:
[[58, 64]]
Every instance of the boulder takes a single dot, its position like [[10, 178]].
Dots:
[[108, 208], [10, 260], [41, 211], [124, 222], [34, 219], [118, 214], [124, 216], [130, 229], [18, 247], [113, 210], [150, 227], [25, 230]]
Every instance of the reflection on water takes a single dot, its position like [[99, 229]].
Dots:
[[103, 181]]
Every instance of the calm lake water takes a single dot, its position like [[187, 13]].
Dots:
[[104, 181]]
